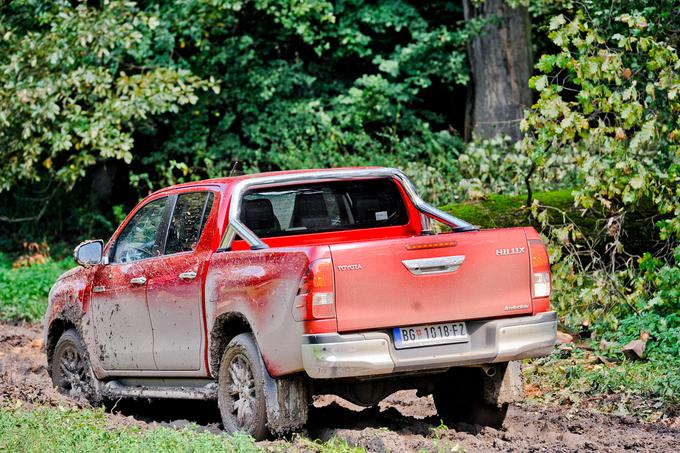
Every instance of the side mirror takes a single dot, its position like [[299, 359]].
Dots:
[[89, 253]]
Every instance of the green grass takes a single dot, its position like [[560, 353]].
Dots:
[[84, 430], [23, 291], [61, 429]]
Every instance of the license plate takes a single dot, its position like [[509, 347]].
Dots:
[[427, 335]]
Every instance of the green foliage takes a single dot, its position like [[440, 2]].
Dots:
[[332, 445], [301, 84], [73, 80], [61, 429], [497, 166], [648, 389], [663, 330], [23, 291], [84, 430], [491, 167], [309, 85], [608, 102]]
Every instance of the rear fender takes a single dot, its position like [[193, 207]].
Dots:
[[258, 287]]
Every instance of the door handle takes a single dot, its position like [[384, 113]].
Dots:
[[138, 280], [441, 265], [187, 275]]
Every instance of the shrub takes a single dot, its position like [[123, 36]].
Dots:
[[23, 291], [609, 100]]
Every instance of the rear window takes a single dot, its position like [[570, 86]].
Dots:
[[328, 206]]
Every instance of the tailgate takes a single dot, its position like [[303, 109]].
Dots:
[[453, 276]]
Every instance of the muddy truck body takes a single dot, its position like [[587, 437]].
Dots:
[[261, 291]]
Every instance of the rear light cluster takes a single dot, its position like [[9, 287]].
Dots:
[[540, 275], [316, 295]]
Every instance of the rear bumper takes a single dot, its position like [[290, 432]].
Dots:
[[372, 353]]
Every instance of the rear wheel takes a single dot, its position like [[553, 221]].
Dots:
[[459, 397], [70, 369], [241, 397]]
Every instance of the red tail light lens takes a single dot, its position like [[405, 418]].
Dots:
[[316, 296], [323, 289], [540, 270]]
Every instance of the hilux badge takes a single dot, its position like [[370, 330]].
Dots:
[[510, 251], [516, 307]]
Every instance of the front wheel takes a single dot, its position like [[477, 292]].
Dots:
[[241, 396], [70, 369]]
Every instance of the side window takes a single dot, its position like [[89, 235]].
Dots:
[[188, 219], [138, 239]]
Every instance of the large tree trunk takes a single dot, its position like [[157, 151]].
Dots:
[[500, 60]]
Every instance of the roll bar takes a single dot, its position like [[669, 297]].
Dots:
[[237, 227]]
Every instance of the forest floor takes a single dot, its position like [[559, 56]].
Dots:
[[402, 422]]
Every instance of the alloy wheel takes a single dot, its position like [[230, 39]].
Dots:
[[73, 376], [241, 390]]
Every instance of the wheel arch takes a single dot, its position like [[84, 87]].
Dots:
[[56, 329], [225, 328]]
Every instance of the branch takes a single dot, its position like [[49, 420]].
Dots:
[[26, 219], [37, 216], [527, 183]]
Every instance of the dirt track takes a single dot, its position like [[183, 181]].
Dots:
[[403, 422]]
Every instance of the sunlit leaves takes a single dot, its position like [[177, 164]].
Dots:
[[610, 104], [70, 92]]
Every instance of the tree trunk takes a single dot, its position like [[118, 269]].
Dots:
[[500, 61]]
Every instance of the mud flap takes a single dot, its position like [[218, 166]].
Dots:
[[287, 401], [506, 386]]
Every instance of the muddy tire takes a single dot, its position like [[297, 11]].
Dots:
[[241, 396], [460, 398], [70, 369]]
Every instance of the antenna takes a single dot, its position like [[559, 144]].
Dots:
[[233, 168]]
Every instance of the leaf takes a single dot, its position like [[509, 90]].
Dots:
[[546, 63], [556, 22], [539, 82], [637, 181]]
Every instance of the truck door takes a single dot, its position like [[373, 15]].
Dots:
[[122, 327], [174, 287]]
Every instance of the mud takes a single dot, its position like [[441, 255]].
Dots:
[[402, 422]]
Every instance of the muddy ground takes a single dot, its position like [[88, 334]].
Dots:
[[402, 422]]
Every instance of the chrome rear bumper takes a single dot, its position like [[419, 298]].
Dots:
[[372, 353]]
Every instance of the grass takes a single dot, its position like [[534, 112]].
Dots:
[[83, 430], [23, 291], [61, 429]]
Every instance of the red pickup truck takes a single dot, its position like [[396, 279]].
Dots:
[[263, 290]]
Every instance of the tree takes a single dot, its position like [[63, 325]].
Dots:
[[500, 62], [73, 80]]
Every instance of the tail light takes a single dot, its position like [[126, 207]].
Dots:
[[316, 296], [540, 275]]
